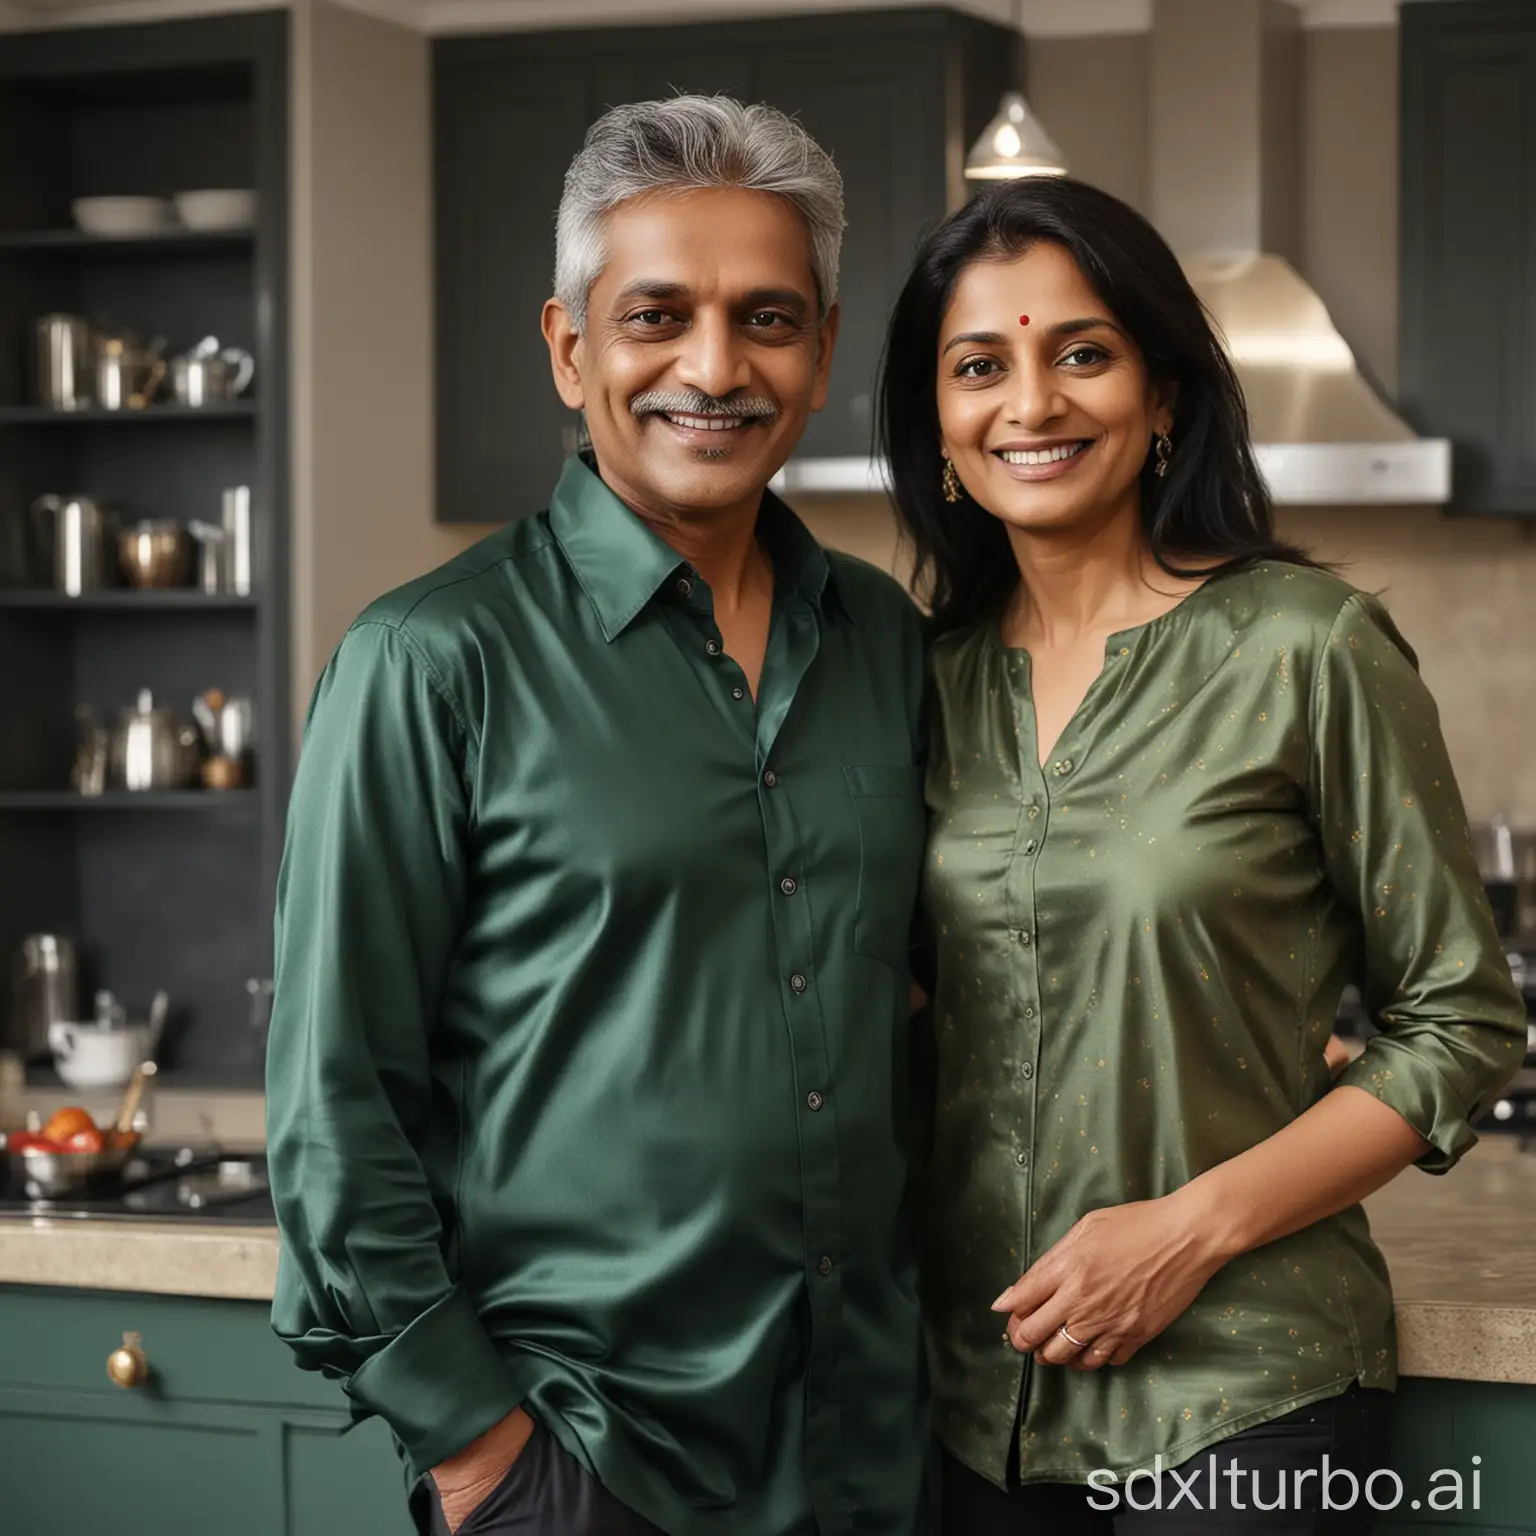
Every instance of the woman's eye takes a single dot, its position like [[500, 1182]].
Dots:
[[1085, 356], [977, 368]]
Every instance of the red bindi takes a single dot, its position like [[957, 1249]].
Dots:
[[1023, 319]]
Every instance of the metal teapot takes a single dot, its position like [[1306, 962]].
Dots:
[[154, 749]]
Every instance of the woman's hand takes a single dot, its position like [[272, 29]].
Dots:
[[1116, 1280], [467, 1480]]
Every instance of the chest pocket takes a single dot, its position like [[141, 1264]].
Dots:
[[893, 828]]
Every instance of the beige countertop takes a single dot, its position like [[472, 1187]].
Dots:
[[1460, 1249]]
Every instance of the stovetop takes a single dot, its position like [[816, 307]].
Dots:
[[201, 1184]]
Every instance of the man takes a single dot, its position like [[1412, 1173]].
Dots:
[[587, 1078]]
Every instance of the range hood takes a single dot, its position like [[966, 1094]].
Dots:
[[1226, 160]]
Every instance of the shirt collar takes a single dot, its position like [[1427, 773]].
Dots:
[[621, 564]]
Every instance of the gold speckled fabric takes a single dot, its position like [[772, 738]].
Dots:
[[1140, 952]]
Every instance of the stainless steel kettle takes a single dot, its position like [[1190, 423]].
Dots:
[[153, 748]]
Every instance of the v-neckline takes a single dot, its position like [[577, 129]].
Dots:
[[1117, 646]]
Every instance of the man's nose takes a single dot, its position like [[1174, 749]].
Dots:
[[714, 356]]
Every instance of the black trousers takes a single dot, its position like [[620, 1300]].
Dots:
[[1352, 1430], [546, 1492]]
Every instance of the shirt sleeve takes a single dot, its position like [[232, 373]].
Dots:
[[370, 898], [1398, 851]]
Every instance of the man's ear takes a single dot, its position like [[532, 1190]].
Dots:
[[563, 339], [826, 344]]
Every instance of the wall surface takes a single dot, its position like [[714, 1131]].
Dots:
[[362, 323]]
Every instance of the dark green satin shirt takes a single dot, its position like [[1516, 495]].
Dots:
[[1141, 949], [587, 1083]]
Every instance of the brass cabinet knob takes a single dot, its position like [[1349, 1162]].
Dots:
[[128, 1366]]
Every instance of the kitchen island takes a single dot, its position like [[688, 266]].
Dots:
[[1462, 1250]]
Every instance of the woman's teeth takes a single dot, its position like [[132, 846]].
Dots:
[[705, 423], [1041, 455]]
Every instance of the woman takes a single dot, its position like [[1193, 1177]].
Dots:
[[1184, 785]]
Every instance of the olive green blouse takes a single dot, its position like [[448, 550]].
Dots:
[[1140, 952]]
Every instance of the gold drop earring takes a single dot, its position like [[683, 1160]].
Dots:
[[952, 488], [1164, 455]]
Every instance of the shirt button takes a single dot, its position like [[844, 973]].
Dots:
[[770, 778], [1022, 1159], [1062, 768], [713, 647], [738, 693], [1030, 846], [1021, 936], [824, 1265], [1028, 1070], [1029, 1013], [797, 982], [788, 886], [814, 1101], [684, 586]]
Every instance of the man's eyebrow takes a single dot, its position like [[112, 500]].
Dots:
[[650, 288], [788, 298], [659, 291]]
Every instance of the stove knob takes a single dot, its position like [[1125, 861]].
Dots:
[[128, 1366]]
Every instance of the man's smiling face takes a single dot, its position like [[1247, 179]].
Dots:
[[703, 354]]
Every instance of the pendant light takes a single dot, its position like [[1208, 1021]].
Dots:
[[1015, 142]]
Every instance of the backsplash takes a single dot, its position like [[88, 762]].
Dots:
[[1461, 590]]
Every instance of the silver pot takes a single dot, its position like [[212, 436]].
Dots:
[[82, 537], [154, 749], [127, 375], [210, 375], [65, 347]]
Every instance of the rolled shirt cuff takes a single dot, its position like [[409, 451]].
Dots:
[[1392, 1072], [439, 1384]]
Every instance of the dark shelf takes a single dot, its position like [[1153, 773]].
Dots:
[[168, 242], [123, 800], [42, 415], [123, 600]]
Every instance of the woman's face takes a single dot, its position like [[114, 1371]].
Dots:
[[1045, 406]]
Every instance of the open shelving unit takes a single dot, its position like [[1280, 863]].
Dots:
[[174, 889]]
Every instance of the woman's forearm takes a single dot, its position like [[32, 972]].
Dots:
[[1345, 1147]]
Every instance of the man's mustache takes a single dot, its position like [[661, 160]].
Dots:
[[694, 402]]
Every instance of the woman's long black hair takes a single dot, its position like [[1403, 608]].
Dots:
[[1212, 507]]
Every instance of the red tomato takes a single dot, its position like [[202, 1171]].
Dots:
[[89, 1140], [30, 1141], [66, 1122]]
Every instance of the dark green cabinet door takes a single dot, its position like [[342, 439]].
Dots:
[[879, 111], [1469, 243], [504, 135], [226, 1435]]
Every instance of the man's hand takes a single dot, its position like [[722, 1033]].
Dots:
[[467, 1480]]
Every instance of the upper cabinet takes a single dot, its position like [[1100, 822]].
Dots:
[[1469, 243], [895, 96]]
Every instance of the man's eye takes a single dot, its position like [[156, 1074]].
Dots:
[[765, 319], [650, 317]]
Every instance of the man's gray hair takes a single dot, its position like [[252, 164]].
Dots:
[[692, 143]]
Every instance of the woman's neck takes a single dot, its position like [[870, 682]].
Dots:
[[1081, 584]]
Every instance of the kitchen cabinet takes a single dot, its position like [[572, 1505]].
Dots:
[[1468, 306], [160, 890], [226, 1435], [895, 96]]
